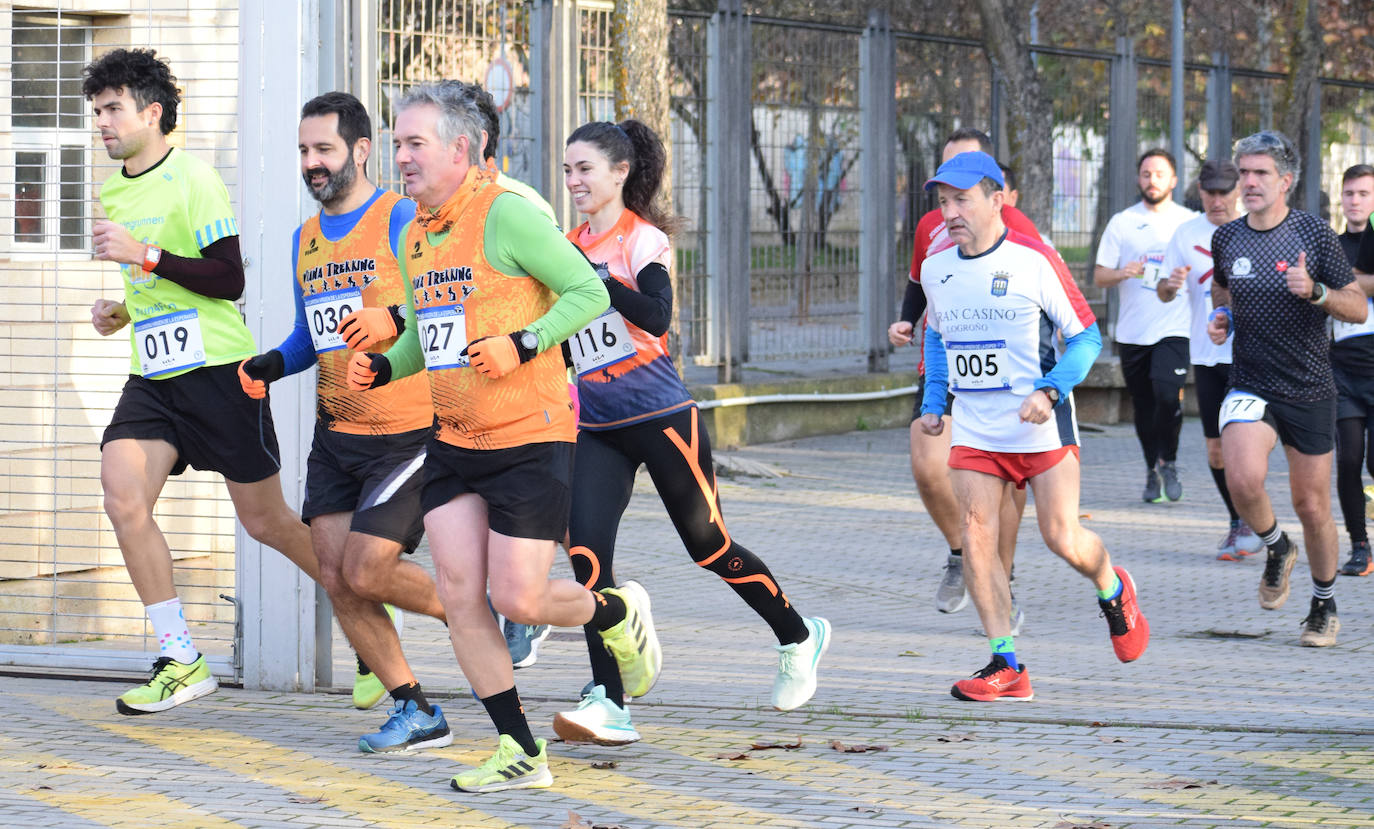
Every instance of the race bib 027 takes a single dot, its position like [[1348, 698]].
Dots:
[[978, 366], [168, 343], [443, 336]]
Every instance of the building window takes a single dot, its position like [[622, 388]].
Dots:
[[51, 137]]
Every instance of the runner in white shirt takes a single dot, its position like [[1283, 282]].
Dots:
[[996, 303], [1188, 261], [1152, 335]]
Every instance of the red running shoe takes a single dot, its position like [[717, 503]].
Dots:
[[996, 681], [1130, 632]]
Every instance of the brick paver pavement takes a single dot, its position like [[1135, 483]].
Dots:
[[1224, 722]]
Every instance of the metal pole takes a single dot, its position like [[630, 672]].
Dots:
[[1176, 75], [729, 120], [1219, 107], [1312, 164], [877, 130]]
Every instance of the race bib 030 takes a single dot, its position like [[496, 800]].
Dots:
[[324, 312]]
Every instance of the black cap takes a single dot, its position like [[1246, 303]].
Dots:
[[1218, 175]]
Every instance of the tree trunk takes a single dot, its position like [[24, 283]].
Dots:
[[639, 59], [1304, 65], [1006, 24]]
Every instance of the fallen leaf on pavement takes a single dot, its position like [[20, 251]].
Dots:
[[733, 755], [1175, 783], [866, 809], [785, 746], [1111, 739], [608, 764], [1069, 824], [319, 799], [855, 749], [953, 737], [910, 653]]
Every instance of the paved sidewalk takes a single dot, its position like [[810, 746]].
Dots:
[[1224, 722]]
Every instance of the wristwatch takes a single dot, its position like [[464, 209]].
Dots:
[[152, 254], [1318, 295], [1052, 393], [527, 343]]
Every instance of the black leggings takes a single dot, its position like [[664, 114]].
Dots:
[[677, 452], [1351, 433], [1156, 395]]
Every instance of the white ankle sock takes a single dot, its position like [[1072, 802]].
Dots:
[[169, 625]]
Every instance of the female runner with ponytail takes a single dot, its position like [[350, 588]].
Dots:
[[635, 410]]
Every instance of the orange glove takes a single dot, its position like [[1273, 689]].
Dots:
[[369, 326], [256, 372], [493, 356], [368, 371]]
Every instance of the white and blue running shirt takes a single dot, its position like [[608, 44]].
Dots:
[[995, 317], [1191, 245]]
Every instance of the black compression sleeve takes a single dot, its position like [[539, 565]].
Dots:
[[651, 307], [913, 302], [218, 275]]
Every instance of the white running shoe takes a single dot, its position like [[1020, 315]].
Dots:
[[596, 720], [795, 683]]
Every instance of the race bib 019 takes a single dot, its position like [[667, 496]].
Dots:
[[171, 342], [1241, 407], [605, 341], [324, 312], [443, 335], [978, 366], [1154, 270]]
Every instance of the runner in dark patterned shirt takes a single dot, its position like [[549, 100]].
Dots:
[[1279, 273]]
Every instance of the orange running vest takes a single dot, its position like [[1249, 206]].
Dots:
[[529, 405], [357, 268]]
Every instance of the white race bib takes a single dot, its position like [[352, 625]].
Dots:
[[979, 366], [1241, 407], [443, 334], [171, 342], [324, 312], [1346, 330], [1154, 270], [603, 342]]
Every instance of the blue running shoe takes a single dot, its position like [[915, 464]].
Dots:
[[408, 728], [523, 641]]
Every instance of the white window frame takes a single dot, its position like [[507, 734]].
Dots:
[[50, 142]]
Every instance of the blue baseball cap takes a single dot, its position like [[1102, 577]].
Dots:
[[965, 170]]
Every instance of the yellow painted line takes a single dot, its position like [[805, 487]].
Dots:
[[376, 800], [1212, 801], [869, 787], [85, 791], [1343, 763], [635, 797]]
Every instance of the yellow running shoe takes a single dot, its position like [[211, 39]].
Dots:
[[367, 688], [172, 684], [508, 768], [1369, 501], [633, 642]]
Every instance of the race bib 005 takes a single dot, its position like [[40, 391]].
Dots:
[[979, 366]]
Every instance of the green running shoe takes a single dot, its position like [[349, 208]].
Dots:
[[368, 690], [172, 684], [508, 768], [633, 642]]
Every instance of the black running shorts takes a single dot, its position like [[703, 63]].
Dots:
[[527, 488], [206, 417], [1307, 427], [1164, 362], [1211, 388], [1354, 394], [375, 477]]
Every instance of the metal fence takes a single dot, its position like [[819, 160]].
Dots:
[[64, 595], [802, 195]]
